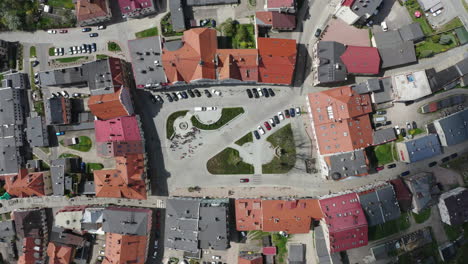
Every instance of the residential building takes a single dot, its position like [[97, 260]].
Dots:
[[252, 258], [342, 165], [27, 184], [59, 254], [181, 229], [92, 220], [36, 132], [7, 231], [64, 77], [60, 172], [449, 77], [419, 148], [411, 32], [66, 237], [323, 255], [380, 89], [422, 186], [249, 214], [353, 11], [394, 51], [125, 249], [402, 193], [127, 180], [127, 221], [108, 106], [453, 206], [275, 21], [57, 111], [431, 5], [107, 76], [379, 205], [296, 254], [277, 60], [125, 128], [452, 129], [147, 62], [7, 241], [70, 217], [136, 8], [176, 7], [383, 136], [7, 53], [410, 86], [91, 12], [344, 223], [213, 224], [282, 6]]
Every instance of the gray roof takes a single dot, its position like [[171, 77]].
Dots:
[[16, 80], [387, 38], [182, 216], [60, 235], [347, 164], [210, 2], [423, 147], [365, 8], [380, 206], [54, 110], [11, 110], [321, 249], [213, 225], [127, 221], [384, 95], [381, 251], [10, 159], [383, 136], [62, 77], [454, 127], [397, 54], [456, 201], [428, 4], [420, 185], [145, 52], [99, 78], [36, 132], [176, 8], [331, 67], [57, 173], [7, 230], [462, 67], [88, 188], [369, 85], [296, 254], [411, 32]]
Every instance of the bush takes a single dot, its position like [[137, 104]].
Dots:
[[445, 40], [435, 38], [426, 53], [112, 46]]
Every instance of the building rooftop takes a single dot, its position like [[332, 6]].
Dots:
[[59, 254], [26, 184], [7, 230], [69, 217], [403, 195], [104, 76], [280, 3], [57, 111], [453, 128], [237, 64], [428, 4], [127, 221], [421, 186], [330, 66], [63, 77], [210, 2], [177, 15], [123, 128], [342, 165], [380, 205], [29, 223], [36, 132], [277, 60], [86, 9], [383, 136], [249, 214], [125, 249], [146, 61], [365, 8], [275, 19], [411, 32], [296, 254], [66, 237], [213, 224], [456, 203], [411, 86], [108, 106], [128, 6], [253, 258], [181, 229], [361, 60], [419, 148], [397, 54]]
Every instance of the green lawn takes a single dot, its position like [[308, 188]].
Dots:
[[389, 228], [284, 139], [383, 153], [84, 144], [150, 32], [170, 122], [227, 114], [112, 46], [39, 108], [51, 51], [70, 59], [281, 246], [451, 25], [416, 131], [32, 52], [453, 232], [101, 56], [228, 161], [429, 45], [68, 155], [61, 3], [245, 139], [423, 216], [90, 167]]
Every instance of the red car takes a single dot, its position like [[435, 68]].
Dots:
[[380, 168], [243, 180], [267, 125], [63, 31]]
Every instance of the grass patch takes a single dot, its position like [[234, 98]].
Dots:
[[170, 122], [389, 228], [84, 144], [242, 36], [112, 46], [422, 216], [166, 27], [245, 139], [429, 48], [32, 52], [283, 138], [101, 56], [39, 108], [280, 242], [228, 161], [465, 5], [69, 59], [253, 3], [451, 25], [61, 3], [52, 51], [90, 167], [413, 6], [150, 32], [68, 155], [453, 231], [416, 131], [383, 153], [227, 114]]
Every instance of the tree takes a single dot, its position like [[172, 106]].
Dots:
[[445, 40], [435, 38], [12, 21], [426, 53], [228, 28]]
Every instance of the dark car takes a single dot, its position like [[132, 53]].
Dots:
[[159, 99], [432, 164], [276, 118], [454, 155], [415, 125], [190, 92], [249, 93], [169, 98], [243, 180], [391, 166], [286, 113], [292, 112], [272, 93], [378, 125], [63, 31], [153, 99], [35, 63], [445, 159], [184, 94], [318, 32], [267, 125], [256, 134], [255, 92], [213, 23], [405, 173], [403, 132], [93, 35], [83, 166], [388, 123], [174, 95], [265, 92], [207, 93], [87, 29], [381, 112], [197, 93]]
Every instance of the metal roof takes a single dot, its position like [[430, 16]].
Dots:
[[213, 224], [331, 68], [62, 77], [411, 32], [176, 8], [347, 164], [146, 61], [182, 216], [365, 8], [380, 205], [420, 148], [36, 132], [296, 254]]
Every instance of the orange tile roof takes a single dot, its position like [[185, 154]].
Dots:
[[239, 64], [250, 260], [107, 106], [341, 120], [25, 184], [122, 249], [248, 214], [86, 9], [290, 216], [277, 60], [28, 252], [59, 254], [195, 59], [125, 181]]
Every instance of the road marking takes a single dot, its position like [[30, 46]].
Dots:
[[257, 179]]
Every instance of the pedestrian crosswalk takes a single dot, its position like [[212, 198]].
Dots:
[[257, 179]]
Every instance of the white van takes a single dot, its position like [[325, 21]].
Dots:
[[198, 109], [384, 26]]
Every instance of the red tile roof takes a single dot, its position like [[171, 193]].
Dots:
[[249, 214], [59, 254], [124, 249], [341, 120], [250, 259], [86, 9], [25, 184], [107, 106], [363, 60], [345, 221], [280, 3], [269, 251], [118, 129], [401, 190], [127, 180], [239, 64], [28, 254], [347, 2], [127, 6], [277, 19], [277, 60]]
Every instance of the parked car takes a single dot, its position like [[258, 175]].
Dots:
[[207, 93], [159, 99], [101, 27], [86, 29], [381, 112], [215, 257], [432, 164], [61, 133], [197, 93], [255, 92], [415, 125], [184, 94], [243, 180], [438, 12], [318, 32], [261, 130], [174, 95], [35, 63], [256, 134], [387, 123], [211, 108], [169, 98], [213, 23], [267, 125], [260, 93], [286, 113], [380, 168], [380, 119], [397, 129], [292, 112], [93, 47], [93, 35], [102, 252], [378, 125], [190, 92], [265, 92], [281, 116], [272, 93], [272, 122], [454, 155], [153, 99], [249, 93], [277, 121], [405, 173], [298, 111], [445, 159], [216, 92], [384, 26], [51, 31], [63, 31], [83, 166], [76, 95], [391, 166], [403, 132], [408, 126]]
